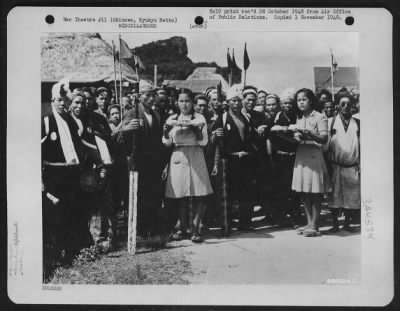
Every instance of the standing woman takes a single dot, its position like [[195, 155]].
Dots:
[[187, 173], [310, 175]]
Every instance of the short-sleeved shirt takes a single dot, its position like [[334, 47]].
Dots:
[[315, 121]]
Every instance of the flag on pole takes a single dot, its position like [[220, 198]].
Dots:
[[334, 63], [234, 65], [138, 63], [229, 60], [125, 51], [246, 59]]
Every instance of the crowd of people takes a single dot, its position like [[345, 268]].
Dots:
[[203, 160]]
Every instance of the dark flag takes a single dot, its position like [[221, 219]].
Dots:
[[229, 60], [138, 63], [125, 51], [246, 59], [234, 65]]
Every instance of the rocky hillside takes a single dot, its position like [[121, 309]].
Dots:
[[172, 61]]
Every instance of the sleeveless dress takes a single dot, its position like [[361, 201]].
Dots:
[[310, 174], [188, 174]]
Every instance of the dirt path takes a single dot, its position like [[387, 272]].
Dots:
[[266, 256], [274, 257]]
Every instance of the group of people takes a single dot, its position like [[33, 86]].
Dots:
[[202, 161]]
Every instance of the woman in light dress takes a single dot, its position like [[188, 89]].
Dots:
[[188, 179], [310, 175]]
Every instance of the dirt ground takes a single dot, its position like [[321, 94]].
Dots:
[[266, 256]]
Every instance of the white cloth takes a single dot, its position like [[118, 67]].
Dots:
[[185, 136], [103, 149], [149, 118], [344, 151], [67, 144], [79, 123]]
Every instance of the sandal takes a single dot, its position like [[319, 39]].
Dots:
[[197, 238], [177, 236], [301, 230], [311, 233]]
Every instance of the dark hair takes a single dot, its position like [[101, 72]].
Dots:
[[87, 90], [187, 92], [341, 95], [325, 92], [112, 107], [101, 90], [311, 96], [200, 97]]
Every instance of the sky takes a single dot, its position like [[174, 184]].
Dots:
[[278, 60]]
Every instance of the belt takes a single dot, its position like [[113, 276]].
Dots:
[[239, 154], [285, 153], [310, 142], [344, 165], [60, 164]]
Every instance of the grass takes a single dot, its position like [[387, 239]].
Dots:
[[147, 266]]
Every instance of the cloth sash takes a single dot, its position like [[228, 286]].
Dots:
[[67, 144]]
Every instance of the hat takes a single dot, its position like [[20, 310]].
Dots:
[[276, 97], [145, 87], [171, 89], [61, 88], [101, 89], [248, 89], [234, 91], [263, 91], [160, 89], [210, 90]]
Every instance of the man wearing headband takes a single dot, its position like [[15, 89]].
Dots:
[[261, 96], [150, 155], [285, 202], [239, 139], [61, 155], [271, 107], [215, 104]]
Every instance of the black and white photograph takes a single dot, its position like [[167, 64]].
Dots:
[[220, 156], [228, 162]]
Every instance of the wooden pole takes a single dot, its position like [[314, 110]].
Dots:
[[333, 90], [120, 71], [155, 75], [133, 191], [132, 214], [244, 82], [115, 82]]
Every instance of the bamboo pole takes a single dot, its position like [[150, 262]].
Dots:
[[120, 71], [333, 90], [115, 82]]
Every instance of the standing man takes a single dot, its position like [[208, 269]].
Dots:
[[329, 109], [61, 155], [344, 158], [271, 107], [102, 100], [259, 123], [150, 154], [239, 139], [215, 104], [261, 96], [161, 104]]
